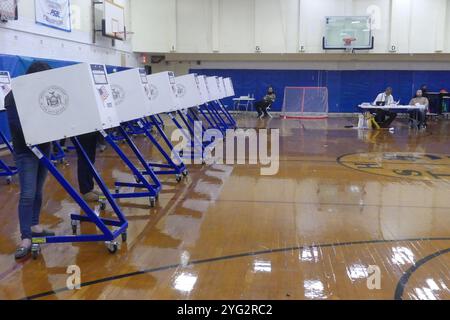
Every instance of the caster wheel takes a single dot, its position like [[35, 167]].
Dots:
[[152, 202], [8, 180], [74, 227], [102, 206], [124, 237], [178, 178], [35, 251], [136, 179], [117, 190], [185, 173], [112, 247]]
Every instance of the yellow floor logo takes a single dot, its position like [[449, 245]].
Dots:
[[418, 166]]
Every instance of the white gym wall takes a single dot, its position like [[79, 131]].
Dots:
[[24, 37], [283, 26]]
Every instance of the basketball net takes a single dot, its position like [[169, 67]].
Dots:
[[348, 43]]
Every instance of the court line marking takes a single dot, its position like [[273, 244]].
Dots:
[[343, 164], [324, 204], [402, 283], [225, 258]]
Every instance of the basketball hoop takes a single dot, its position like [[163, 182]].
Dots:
[[8, 10], [122, 35], [348, 41]]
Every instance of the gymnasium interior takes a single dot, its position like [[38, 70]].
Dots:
[[255, 150]]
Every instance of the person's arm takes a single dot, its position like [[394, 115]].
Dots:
[[378, 98]]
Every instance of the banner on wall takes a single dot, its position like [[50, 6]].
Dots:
[[54, 14]]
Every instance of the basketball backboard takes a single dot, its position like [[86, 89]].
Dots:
[[113, 24], [5, 88], [64, 102], [162, 92], [188, 92], [130, 96], [348, 32]]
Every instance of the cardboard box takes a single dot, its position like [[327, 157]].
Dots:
[[188, 91], [64, 102], [5, 88], [162, 92], [131, 94]]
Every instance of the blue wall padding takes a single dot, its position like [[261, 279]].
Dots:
[[346, 89], [18, 65]]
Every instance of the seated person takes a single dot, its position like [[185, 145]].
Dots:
[[420, 115], [269, 99], [384, 118]]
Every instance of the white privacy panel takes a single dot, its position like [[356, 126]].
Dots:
[[188, 91], [162, 92], [224, 88], [64, 102], [5, 88], [229, 87], [130, 94], [204, 92], [221, 86], [213, 87]]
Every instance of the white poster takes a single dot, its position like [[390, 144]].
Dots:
[[54, 14]]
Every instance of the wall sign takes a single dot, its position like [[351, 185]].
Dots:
[[54, 14]]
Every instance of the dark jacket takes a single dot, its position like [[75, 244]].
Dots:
[[15, 127]]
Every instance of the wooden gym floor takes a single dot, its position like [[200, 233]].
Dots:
[[342, 201]]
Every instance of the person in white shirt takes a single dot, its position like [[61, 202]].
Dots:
[[384, 117], [385, 98]]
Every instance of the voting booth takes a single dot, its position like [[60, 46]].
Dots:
[[131, 94], [5, 88], [188, 91], [229, 87], [204, 91], [68, 102], [213, 88], [221, 86], [64, 102], [162, 92]]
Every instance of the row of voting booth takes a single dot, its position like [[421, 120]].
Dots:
[[82, 98]]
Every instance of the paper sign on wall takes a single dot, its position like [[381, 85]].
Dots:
[[54, 14]]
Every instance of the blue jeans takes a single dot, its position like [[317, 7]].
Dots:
[[32, 175]]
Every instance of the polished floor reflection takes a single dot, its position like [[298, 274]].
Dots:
[[350, 215]]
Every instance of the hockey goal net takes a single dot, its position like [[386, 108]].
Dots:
[[305, 103]]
